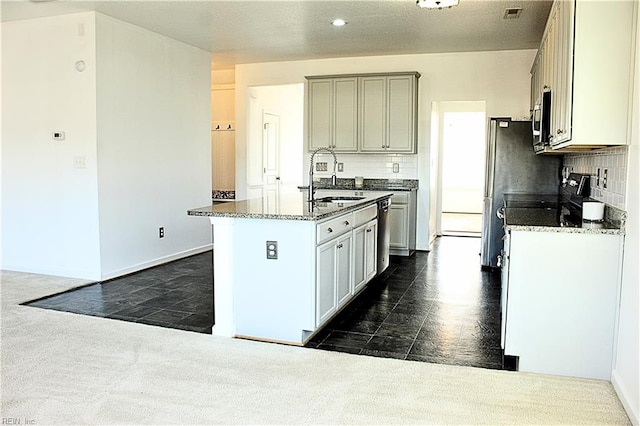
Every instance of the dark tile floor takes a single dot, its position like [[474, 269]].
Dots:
[[178, 295], [436, 307]]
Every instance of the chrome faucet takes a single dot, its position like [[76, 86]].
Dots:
[[334, 179]]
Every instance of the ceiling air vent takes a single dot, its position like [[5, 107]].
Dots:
[[512, 13]]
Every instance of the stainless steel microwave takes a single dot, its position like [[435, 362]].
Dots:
[[541, 121]]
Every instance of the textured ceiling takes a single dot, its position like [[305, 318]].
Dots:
[[265, 31]]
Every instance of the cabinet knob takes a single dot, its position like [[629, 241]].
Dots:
[[339, 246], [369, 230], [346, 223], [329, 230]]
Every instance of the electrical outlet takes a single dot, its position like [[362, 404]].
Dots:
[[321, 167], [604, 178], [598, 177], [161, 232], [272, 249], [57, 136], [341, 167], [396, 167]]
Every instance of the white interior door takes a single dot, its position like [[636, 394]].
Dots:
[[271, 159]]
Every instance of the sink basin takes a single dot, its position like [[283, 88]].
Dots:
[[338, 199]]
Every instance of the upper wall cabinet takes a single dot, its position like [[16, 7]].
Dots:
[[373, 113], [586, 61], [333, 113]]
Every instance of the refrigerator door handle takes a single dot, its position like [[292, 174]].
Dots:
[[490, 160]]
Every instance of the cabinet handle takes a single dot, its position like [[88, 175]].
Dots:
[[329, 230], [339, 246], [346, 223], [369, 230], [560, 131]]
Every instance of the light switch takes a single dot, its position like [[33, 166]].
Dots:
[[396, 167], [80, 162]]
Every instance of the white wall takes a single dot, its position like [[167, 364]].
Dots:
[[626, 373], [49, 207], [137, 116], [499, 78], [154, 149]]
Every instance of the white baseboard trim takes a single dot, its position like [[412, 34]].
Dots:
[[625, 398], [156, 262]]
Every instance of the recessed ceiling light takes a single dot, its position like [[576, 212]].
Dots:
[[436, 4], [338, 22]]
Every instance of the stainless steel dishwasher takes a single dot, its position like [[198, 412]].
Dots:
[[384, 235]]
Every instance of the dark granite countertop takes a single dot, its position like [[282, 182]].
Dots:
[[543, 213], [289, 206]]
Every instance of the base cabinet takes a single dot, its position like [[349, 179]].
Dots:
[[365, 254], [344, 263], [560, 316], [402, 223], [334, 270]]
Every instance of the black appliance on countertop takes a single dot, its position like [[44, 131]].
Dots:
[[572, 195]]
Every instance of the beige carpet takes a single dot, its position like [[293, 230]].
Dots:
[[72, 369]]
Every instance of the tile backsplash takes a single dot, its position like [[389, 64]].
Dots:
[[370, 166], [614, 160]]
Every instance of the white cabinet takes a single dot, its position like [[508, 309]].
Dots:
[[346, 259], [560, 315], [333, 282], [363, 113], [388, 113], [365, 254], [333, 113], [588, 72], [402, 223]]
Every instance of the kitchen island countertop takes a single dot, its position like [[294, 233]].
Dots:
[[288, 206]]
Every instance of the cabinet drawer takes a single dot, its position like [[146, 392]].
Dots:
[[400, 198], [333, 228], [365, 215]]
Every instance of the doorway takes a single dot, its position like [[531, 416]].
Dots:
[[274, 140], [462, 161], [271, 160]]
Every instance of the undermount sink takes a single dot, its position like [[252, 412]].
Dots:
[[338, 199]]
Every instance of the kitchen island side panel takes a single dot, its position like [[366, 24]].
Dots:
[[274, 299]]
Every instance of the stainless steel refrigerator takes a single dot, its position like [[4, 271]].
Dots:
[[512, 167]]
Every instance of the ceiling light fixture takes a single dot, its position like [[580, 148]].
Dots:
[[338, 22], [437, 4]]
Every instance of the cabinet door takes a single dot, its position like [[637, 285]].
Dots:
[[400, 114], [565, 72], [326, 263], [398, 223], [373, 114], [343, 270], [370, 250], [345, 114], [359, 258], [320, 113]]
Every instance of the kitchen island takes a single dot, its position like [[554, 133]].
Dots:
[[283, 268]]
